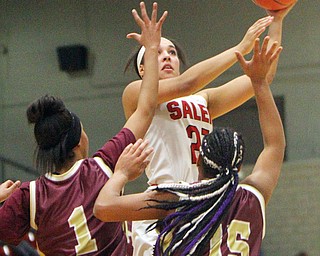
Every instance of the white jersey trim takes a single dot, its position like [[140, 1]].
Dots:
[[106, 169], [260, 197], [66, 175], [32, 188]]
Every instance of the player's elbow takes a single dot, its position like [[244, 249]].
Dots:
[[103, 212], [97, 212]]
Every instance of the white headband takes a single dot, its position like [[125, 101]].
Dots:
[[140, 56]]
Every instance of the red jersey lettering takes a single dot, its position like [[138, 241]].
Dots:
[[173, 108], [205, 114], [193, 111]]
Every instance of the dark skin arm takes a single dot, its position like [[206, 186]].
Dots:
[[266, 172], [112, 206]]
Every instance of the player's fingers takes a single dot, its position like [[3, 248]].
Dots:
[[265, 43], [154, 13], [17, 184], [265, 21], [274, 47], [260, 26], [7, 183], [136, 145], [241, 59], [11, 186], [256, 48], [259, 31], [134, 36], [163, 18], [145, 153], [144, 14], [137, 18], [127, 149], [14, 186], [276, 54], [144, 165], [142, 147]]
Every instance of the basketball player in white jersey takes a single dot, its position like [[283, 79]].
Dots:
[[185, 114]]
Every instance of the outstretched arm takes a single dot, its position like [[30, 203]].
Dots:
[[198, 76], [229, 96], [267, 169], [150, 36], [7, 188], [111, 206], [275, 34]]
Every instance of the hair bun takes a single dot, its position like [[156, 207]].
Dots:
[[44, 107]]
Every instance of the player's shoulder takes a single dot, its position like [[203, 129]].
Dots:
[[201, 96], [253, 192], [132, 86], [130, 96]]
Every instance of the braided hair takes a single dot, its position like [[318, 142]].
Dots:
[[202, 205]]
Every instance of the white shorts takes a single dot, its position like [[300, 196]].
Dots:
[[143, 242]]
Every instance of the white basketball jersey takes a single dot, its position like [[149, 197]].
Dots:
[[175, 134]]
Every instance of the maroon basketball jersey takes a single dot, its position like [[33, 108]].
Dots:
[[60, 208], [243, 228]]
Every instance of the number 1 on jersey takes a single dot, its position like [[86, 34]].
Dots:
[[78, 221]]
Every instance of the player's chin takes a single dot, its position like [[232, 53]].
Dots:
[[167, 74]]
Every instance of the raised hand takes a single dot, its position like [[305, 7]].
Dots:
[[280, 14], [7, 188], [257, 68], [150, 28], [253, 33], [133, 160]]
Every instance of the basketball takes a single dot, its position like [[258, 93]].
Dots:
[[273, 5]]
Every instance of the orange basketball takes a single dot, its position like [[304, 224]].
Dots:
[[273, 4]]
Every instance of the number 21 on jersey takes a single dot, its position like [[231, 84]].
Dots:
[[193, 132]]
